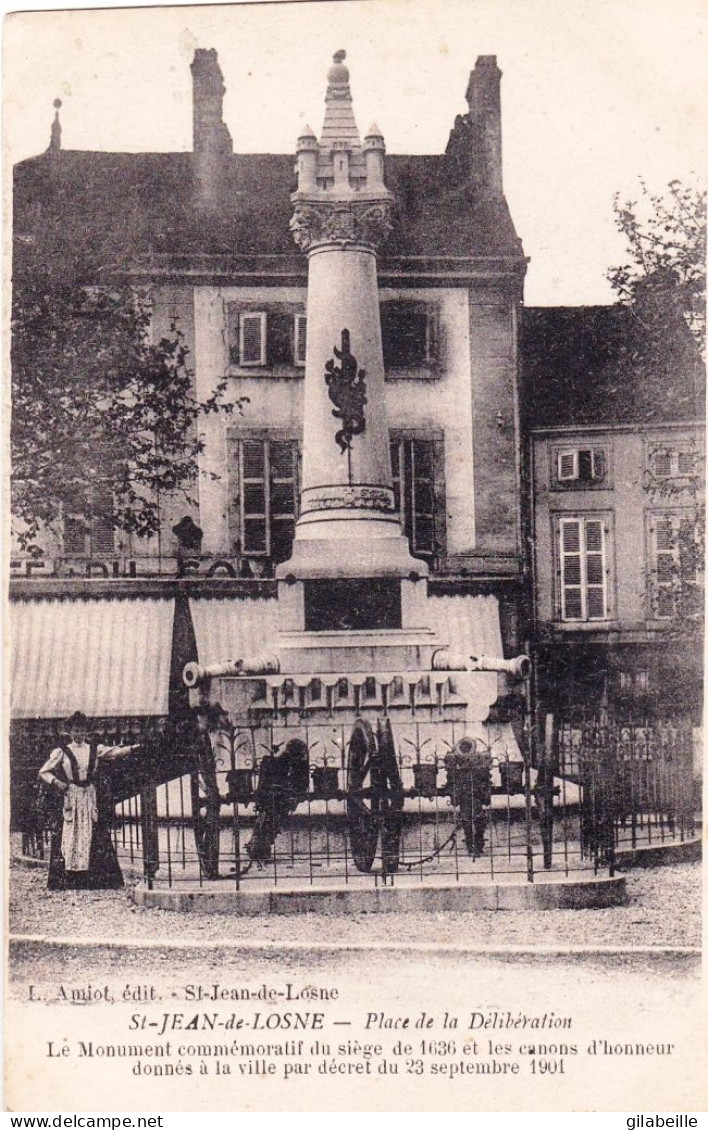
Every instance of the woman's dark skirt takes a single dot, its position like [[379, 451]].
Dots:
[[104, 871]]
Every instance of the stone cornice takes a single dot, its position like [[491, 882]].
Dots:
[[291, 270]]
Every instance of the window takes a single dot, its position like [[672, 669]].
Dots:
[[409, 332], [671, 463], [580, 466], [418, 486], [633, 682], [264, 495], [583, 569], [273, 338], [89, 530], [673, 565]]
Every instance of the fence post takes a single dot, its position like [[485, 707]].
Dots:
[[148, 824]]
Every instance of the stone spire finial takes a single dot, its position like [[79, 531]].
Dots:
[[339, 130], [55, 140], [338, 77], [341, 196]]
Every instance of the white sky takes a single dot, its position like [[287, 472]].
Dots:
[[595, 93]]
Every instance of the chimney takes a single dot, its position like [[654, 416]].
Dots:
[[484, 101], [212, 144]]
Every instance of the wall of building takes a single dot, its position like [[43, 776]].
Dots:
[[493, 352], [436, 401], [627, 497]]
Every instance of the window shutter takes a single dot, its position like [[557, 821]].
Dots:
[[101, 521], [396, 459], [687, 550], [571, 569], [283, 497], [252, 339], [595, 570], [585, 465], [254, 503], [433, 338], [599, 464], [75, 536], [685, 463], [664, 566], [422, 491], [300, 338], [662, 464], [567, 466]]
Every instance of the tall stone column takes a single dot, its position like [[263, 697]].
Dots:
[[348, 526]]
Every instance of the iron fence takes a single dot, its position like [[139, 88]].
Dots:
[[324, 805]]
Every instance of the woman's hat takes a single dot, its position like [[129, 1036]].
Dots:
[[77, 720]]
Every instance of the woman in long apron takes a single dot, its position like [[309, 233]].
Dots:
[[82, 853]]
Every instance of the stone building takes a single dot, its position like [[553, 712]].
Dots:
[[616, 435], [530, 478]]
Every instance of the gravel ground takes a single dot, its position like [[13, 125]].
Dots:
[[664, 911]]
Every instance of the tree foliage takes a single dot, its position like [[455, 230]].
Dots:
[[664, 275], [94, 397], [663, 280]]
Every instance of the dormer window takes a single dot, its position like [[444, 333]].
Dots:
[[580, 466]]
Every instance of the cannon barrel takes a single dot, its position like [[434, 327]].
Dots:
[[194, 673], [519, 667]]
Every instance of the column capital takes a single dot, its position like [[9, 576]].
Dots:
[[316, 223]]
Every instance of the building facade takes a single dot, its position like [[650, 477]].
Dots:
[[616, 458], [546, 465], [209, 233]]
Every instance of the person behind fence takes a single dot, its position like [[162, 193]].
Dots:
[[82, 855]]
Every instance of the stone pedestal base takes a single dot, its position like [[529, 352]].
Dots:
[[351, 547]]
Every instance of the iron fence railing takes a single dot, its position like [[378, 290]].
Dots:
[[324, 805]]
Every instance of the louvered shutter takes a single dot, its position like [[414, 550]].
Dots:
[[252, 339], [664, 566], [662, 464], [599, 464], [571, 569], [254, 501], [300, 338], [594, 570], [101, 523], [567, 466], [282, 459], [685, 463]]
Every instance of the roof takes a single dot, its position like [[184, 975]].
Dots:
[[106, 657], [142, 203], [602, 365]]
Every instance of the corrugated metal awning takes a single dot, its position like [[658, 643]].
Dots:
[[107, 657], [233, 628], [467, 624], [236, 627]]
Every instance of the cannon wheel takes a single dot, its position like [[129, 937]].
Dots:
[[363, 795], [391, 800], [374, 797]]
